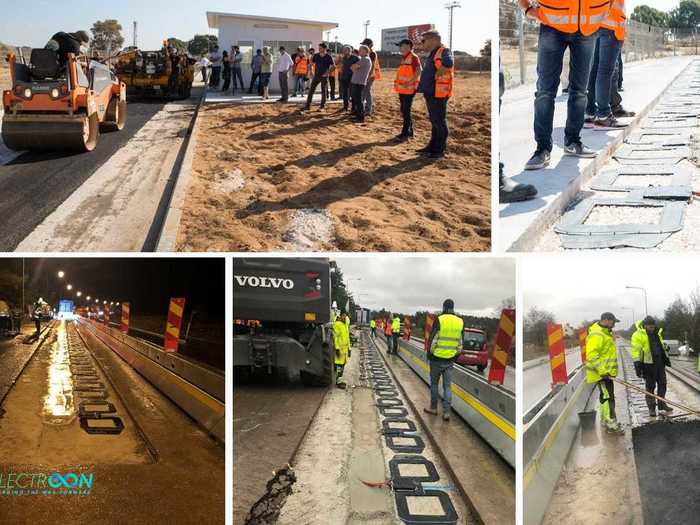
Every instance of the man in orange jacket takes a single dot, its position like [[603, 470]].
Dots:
[[564, 24], [406, 84]]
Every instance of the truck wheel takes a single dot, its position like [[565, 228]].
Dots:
[[327, 370]]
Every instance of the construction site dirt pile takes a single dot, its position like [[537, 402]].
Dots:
[[267, 177]]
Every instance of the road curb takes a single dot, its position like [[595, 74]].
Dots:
[[548, 217], [167, 239]]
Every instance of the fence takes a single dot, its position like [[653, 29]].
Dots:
[[519, 35]]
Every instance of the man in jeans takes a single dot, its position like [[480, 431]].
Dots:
[[569, 25], [237, 76], [604, 100], [256, 68], [447, 333], [323, 66], [283, 67], [361, 71]]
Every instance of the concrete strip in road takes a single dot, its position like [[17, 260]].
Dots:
[[167, 241], [521, 223], [483, 478], [114, 209]]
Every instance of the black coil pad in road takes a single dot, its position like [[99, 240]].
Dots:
[[400, 435], [97, 415]]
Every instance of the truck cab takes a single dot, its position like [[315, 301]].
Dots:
[[474, 349]]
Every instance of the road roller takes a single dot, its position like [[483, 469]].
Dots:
[[57, 105]]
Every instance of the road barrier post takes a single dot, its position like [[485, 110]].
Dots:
[[557, 356], [582, 334], [125, 318], [105, 319], [502, 347], [172, 327]]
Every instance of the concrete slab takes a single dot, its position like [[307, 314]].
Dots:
[[520, 223], [218, 97], [486, 479]]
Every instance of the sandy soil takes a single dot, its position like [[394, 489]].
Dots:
[[269, 178]]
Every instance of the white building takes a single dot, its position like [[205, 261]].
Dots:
[[254, 32]]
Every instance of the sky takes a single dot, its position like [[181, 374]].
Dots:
[[158, 19], [410, 284], [581, 286]]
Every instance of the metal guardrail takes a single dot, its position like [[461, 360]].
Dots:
[[519, 37], [488, 409], [547, 440], [197, 390]]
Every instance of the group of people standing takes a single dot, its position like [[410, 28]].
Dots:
[[354, 73]]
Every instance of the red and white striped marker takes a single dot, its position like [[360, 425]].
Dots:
[[172, 327]]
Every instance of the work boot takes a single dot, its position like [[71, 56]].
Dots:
[[577, 149], [432, 411], [623, 113], [539, 160], [511, 191], [446, 416], [427, 149], [614, 427], [663, 407], [652, 411]]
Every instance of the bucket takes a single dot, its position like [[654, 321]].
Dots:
[[587, 420]]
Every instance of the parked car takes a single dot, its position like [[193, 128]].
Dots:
[[474, 349]]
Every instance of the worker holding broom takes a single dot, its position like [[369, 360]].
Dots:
[[601, 367], [650, 357]]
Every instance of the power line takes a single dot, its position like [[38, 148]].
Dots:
[[451, 6]]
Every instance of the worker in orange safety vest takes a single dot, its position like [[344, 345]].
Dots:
[[437, 84], [301, 69], [405, 85], [604, 100]]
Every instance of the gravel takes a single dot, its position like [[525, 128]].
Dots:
[[309, 229], [604, 215], [231, 181]]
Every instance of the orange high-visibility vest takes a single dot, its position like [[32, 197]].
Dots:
[[377, 70], [617, 19], [570, 16], [406, 83], [387, 328], [443, 81], [301, 65]]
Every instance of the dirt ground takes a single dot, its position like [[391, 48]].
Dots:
[[267, 177], [4, 76]]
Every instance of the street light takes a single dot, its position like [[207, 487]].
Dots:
[[105, 302], [79, 293], [646, 305], [97, 300], [60, 274], [88, 298], [69, 287]]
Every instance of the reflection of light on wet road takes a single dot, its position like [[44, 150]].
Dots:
[[59, 404]]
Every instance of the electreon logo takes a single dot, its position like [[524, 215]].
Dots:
[[42, 483], [253, 281]]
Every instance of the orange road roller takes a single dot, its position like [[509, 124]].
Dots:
[[60, 106]]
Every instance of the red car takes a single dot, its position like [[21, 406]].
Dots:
[[474, 350]]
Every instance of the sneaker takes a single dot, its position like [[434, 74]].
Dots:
[[623, 113], [432, 411], [539, 160], [607, 123], [577, 149], [446, 416], [588, 121]]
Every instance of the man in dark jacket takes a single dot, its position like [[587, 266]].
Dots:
[[64, 43], [650, 357]]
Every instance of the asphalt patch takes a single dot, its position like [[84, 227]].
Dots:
[[34, 184], [668, 470]]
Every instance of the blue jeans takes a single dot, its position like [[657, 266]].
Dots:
[[550, 59], [299, 82], [367, 96], [600, 85], [441, 367]]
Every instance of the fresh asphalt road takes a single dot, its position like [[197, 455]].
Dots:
[[34, 184]]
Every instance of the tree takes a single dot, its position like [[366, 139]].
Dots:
[[178, 44], [200, 45], [107, 37], [677, 320], [535, 326], [686, 15], [485, 52], [650, 15]]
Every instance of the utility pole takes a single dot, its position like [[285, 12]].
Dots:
[[136, 33], [366, 24], [451, 6]]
